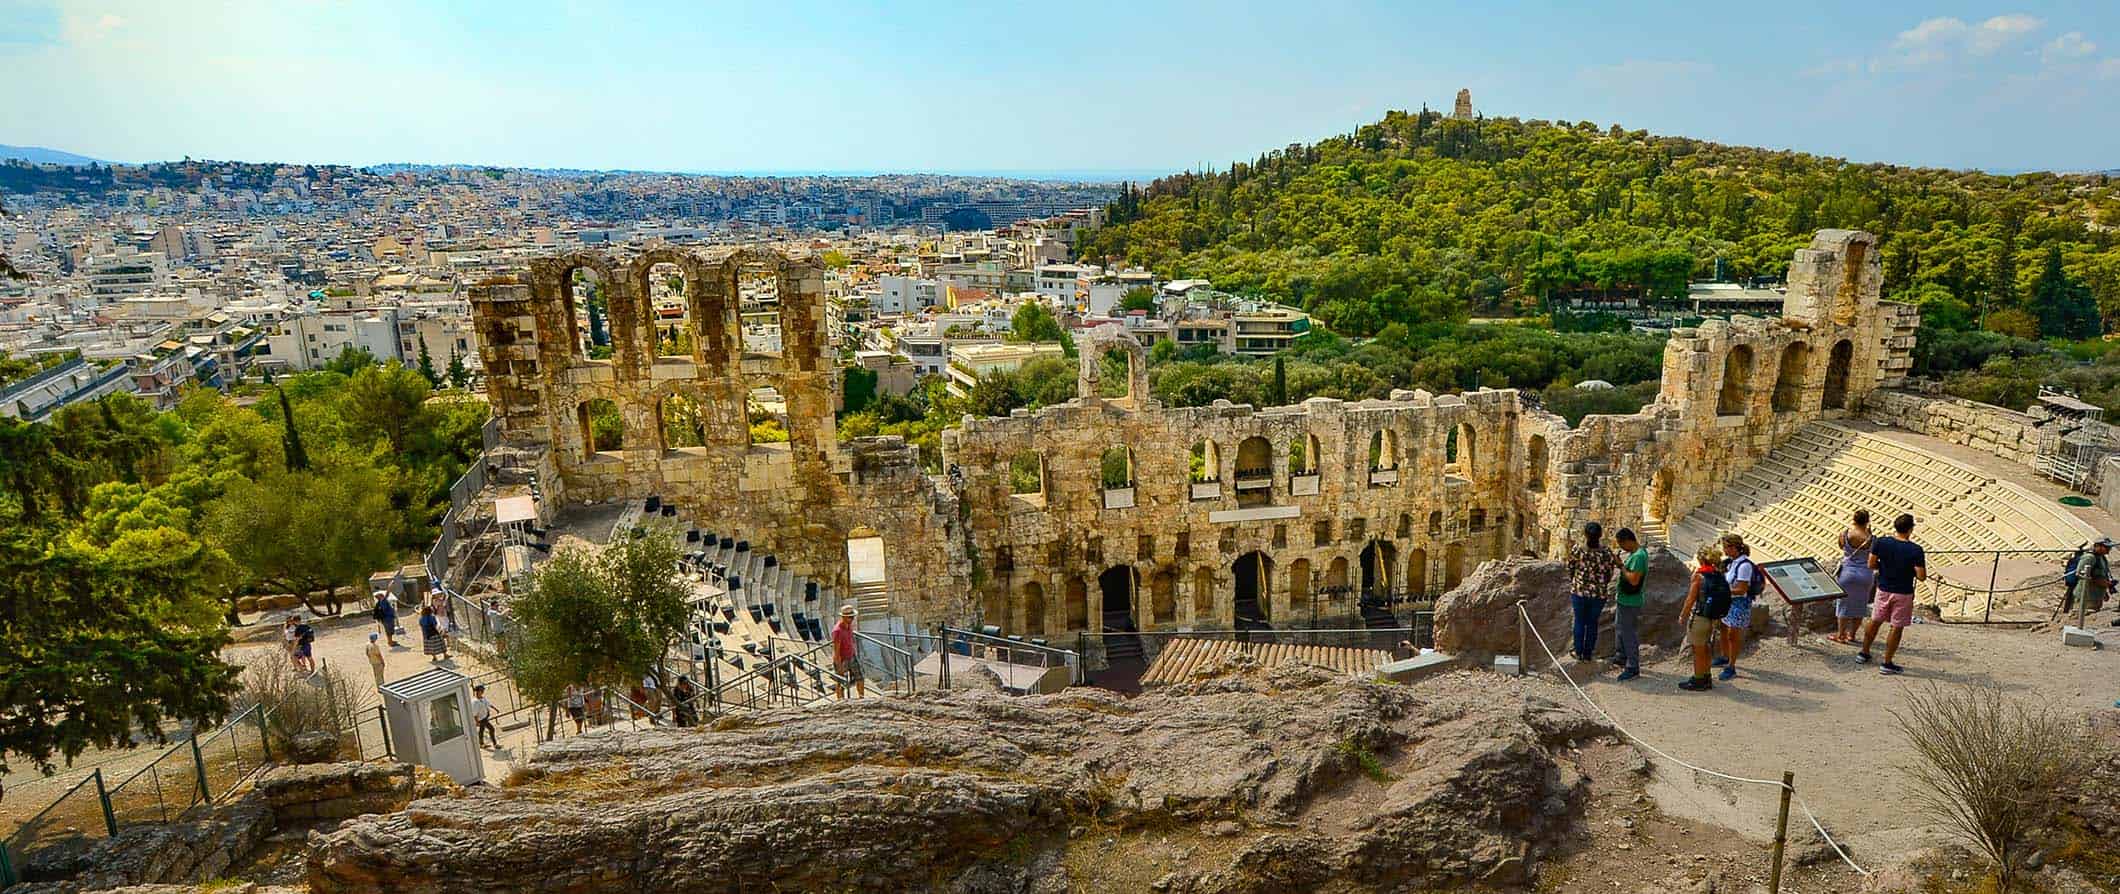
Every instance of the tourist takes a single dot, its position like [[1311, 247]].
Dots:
[[1627, 603], [305, 640], [651, 695], [845, 665], [432, 642], [288, 637], [1743, 576], [1707, 601], [385, 615], [593, 701], [577, 706], [681, 696], [1857, 582], [375, 657], [2094, 582], [1899, 562], [482, 712], [1589, 574]]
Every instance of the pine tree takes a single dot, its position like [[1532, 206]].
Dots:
[[2066, 308], [297, 458], [434, 379], [459, 376], [1280, 381]]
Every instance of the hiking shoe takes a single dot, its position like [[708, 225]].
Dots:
[[1889, 669], [1696, 684], [1862, 658], [1728, 674], [1629, 674], [1719, 662], [1619, 661]]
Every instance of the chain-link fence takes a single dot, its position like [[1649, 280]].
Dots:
[[79, 816]]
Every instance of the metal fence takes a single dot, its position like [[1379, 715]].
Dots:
[[1966, 585], [195, 771], [461, 493], [78, 816]]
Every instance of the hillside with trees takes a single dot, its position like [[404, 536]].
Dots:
[[1420, 218]]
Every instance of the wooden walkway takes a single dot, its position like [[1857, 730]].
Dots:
[[1183, 657]]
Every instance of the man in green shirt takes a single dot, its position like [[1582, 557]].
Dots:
[[1627, 603]]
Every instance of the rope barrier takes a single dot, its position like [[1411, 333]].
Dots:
[[1525, 616]]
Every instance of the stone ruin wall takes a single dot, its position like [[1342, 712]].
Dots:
[[800, 500], [964, 547]]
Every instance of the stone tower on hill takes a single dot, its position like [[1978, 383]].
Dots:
[[1463, 112]]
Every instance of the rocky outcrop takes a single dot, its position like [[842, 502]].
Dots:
[[1296, 777], [194, 849], [307, 792], [1479, 620]]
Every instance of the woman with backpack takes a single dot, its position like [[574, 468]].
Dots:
[[1707, 601], [1743, 577]]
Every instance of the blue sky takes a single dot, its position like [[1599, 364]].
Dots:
[[1080, 85]]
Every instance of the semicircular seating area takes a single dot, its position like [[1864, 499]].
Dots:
[[1798, 498]]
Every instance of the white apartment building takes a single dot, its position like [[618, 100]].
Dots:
[[906, 295], [306, 341], [116, 277]]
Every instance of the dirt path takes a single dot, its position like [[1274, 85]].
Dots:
[[1812, 710]]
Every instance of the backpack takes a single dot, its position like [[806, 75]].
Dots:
[[381, 610], [2073, 571], [1714, 601]]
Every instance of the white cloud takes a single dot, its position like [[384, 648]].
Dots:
[[2066, 47], [1945, 38]]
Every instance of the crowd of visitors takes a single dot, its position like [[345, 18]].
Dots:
[[1877, 577]]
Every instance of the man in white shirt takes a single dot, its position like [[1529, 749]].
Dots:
[[483, 713]]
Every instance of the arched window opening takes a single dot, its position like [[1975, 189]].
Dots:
[[1115, 471], [1789, 382], [1203, 470], [1336, 587], [1417, 574], [1384, 457], [1299, 585], [1535, 463], [603, 429], [1837, 363], [587, 312], [1459, 448], [1116, 379], [1736, 382], [1303, 466], [1254, 471], [668, 311], [1026, 475], [758, 308], [1435, 523], [683, 421], [1405, 525]]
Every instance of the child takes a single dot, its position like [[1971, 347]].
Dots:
[[1707, 601]]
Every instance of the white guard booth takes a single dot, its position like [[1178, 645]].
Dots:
[[430, 723]]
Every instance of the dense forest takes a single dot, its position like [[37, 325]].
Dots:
[[1420, 218]]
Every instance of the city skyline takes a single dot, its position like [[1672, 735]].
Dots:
[[843, 88]]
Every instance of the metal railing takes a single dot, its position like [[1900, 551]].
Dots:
[[2041, 570], [80, 814]]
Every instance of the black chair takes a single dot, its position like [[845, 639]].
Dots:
[[654, 503], [743, 546], [772, 561], [768, 607]]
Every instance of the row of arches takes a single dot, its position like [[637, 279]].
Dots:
[[1128, 598], [670, 305], [1253, 469], [681, 421], [1792, 375]]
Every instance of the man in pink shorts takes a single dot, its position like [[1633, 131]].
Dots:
[[1899, 562]]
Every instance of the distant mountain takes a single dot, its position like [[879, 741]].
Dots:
[[43, 156]]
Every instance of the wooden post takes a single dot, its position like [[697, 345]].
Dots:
[[1523, 639], [1781, 831], [1796, 613]]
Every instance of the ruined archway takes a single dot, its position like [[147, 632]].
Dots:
[[1736, 382], [1163, 596], [1203, 469], [1254, 474], [1303, 465], [1417, 573], [1077, 599], [1790, 379], [1117, 585], [1656, 503], [1033, 609], [1837, 364], [666, 306], [583, 297], [1376, 561], [602, 428], [683, 421], [1253, 572], [1459, 449], [1299, 585]]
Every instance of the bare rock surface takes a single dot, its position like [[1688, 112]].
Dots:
[[1478, 619], [1263, 781]]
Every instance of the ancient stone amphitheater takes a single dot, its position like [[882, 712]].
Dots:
[[1091, 515]]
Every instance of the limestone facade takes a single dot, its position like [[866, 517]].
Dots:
[[1097, 512]]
